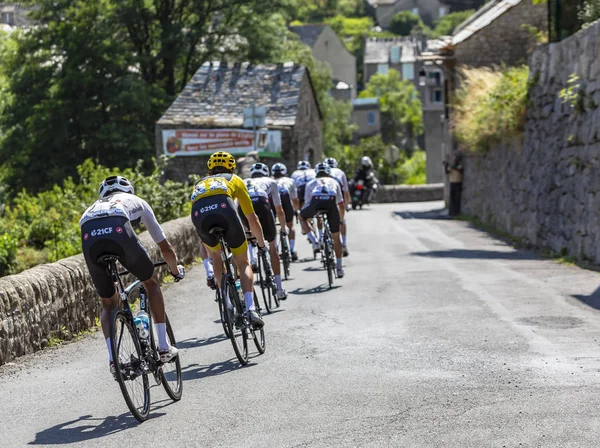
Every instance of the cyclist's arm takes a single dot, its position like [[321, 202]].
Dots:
[[169, 255], [307, 194], [256, 228], [241, 194], [296, 204], [346, 189], [340, 201], [276, 198], [158, 235]]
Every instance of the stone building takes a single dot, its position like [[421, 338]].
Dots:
[[209, 113], [367, 116], [497, 34], [327, 47]]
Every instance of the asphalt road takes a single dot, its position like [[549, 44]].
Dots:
[[439, 336]]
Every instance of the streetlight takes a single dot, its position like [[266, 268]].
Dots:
[[422, 77]]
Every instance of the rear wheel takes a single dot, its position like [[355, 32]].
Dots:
[[234, 320], [170, 372], [130, 366], [221, 304], [265, 290], [328, 261]]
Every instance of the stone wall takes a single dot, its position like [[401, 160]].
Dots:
[[307, 138], [410, 193], [545, 187], [504, 41], [42, 300]]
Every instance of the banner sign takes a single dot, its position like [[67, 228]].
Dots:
[[204, 142]]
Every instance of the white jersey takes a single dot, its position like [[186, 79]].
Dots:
[[340, 176], [323, 188], [303, 177], [287, 185], [129, 206], [263, 187]]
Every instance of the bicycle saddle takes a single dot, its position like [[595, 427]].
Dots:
[[107, 259], [216, 230]]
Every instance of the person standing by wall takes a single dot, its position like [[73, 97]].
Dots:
[[454, 169]]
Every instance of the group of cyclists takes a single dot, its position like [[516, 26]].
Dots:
[[219, 200]]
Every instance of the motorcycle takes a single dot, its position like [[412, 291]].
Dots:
[[363, 192]]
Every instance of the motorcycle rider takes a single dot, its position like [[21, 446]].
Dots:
[[366, 173]]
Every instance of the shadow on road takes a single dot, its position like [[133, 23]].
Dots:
[[88, 427], [316, 290], [197, 342], [478, 254], [304, 260], [440, 213], [593, 300], [313, 269], [196, 371]]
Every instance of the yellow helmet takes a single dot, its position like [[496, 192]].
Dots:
[[223, 159]]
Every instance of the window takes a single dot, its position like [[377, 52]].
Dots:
[[415, 11], [436, 96], [371, 118], [395, 55], [435, 78], [442, 11], [382, 69], [8, 18], [408, 71]]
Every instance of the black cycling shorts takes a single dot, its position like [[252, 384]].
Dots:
[[219, 211], [113, 235], [262, 208], [329, 206], [288, 208], [301, 190]]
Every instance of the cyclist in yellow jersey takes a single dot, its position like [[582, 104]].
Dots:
[[212, 206]]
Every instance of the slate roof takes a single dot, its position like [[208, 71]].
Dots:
[[482, 18], [218, 93], [377, 50], [309, 34]]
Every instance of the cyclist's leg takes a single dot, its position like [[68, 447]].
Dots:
[[288, 210], [333, 218], [251, 247], [208, 266], [308, 212]]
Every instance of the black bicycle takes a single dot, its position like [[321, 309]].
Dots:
[[136, 355], [266, 279], [286, 254], [232, 308], [327, 254]]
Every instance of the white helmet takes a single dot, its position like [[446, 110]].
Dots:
[[331, 162], [259, 168], [279, 168], [303, 165], [366, 161], [113, 184], [322, 168]]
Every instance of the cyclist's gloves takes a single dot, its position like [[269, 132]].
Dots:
[[180, 274], [264, 249]]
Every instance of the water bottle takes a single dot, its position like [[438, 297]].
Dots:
[[238, 286], [142, 323]]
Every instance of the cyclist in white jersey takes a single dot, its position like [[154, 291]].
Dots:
[[263, 190], [107, 229], [302, 176], [325, 194], [342, 179], [289, 201]]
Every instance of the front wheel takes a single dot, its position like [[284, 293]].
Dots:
[[170, 372], [130, 365]]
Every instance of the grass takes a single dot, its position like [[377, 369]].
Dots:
[[490, 106]]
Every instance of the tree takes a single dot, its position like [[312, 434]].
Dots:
[[401, 108], [445, 25], [406, 23]]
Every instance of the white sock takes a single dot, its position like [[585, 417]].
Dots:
[[344, 240], [228, 303], [278, 283], [161, 331], [249, 299], [252, 253], [292, 245], [208, 267], [320, 234], [339, 263], [109, 350], [311, 236]]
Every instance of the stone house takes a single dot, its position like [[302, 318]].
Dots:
[[366, 115], [14, 15], [429, 10], [327, 47], [496, 34], [209, 115]]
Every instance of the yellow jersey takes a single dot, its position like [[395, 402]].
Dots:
[[228, 184]]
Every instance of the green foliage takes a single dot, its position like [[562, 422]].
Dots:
[[413, 171], [318, 10], [491, 106], [401, 107], [405, 23], [589, 12], [45, 225], [446, 25]]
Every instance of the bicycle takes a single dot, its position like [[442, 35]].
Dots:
[[266, 279], [135, 356], [235, 322], [327, 254], [286, 254]]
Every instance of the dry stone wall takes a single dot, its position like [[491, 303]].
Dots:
[[48, 298], [545, 188], [410, 193]]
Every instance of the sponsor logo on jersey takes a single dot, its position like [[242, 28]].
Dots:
[[223, 205], [85, 237], [102, 231], [119, 230], [196, 213], [208, 208], [137, 209]]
